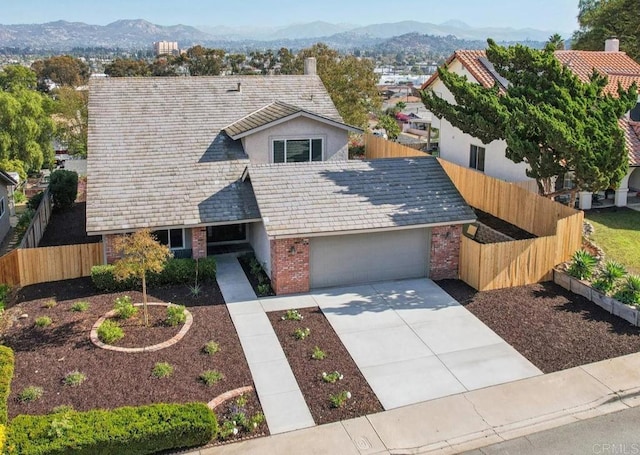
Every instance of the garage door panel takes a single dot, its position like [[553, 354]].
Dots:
[[365, 258]]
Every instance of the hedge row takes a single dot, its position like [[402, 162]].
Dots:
[[6, 374], [125, 431], [176, 271]]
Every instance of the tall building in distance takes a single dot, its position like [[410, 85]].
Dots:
[[166, 47]]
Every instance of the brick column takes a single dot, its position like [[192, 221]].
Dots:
[[445, 252], [109, 248], [290, 265], [199, 242]]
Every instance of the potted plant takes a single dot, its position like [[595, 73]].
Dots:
[[627, 300], [581, 268], [605, 284]]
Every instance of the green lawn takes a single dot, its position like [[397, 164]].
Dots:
[[618, 234]]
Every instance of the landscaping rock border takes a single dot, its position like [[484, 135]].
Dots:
[[156, 347]]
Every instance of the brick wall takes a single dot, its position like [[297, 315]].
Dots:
[[109, 247], [199, 242], [290, 265], [445, 252]]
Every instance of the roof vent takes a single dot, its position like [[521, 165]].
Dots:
[[240, 87], [612, 45], [310, 66]]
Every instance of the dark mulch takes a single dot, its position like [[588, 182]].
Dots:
[[550, 326], [308, 372], [68, 227], [256, 280], [503, 226], [45, 355], [138, 336]]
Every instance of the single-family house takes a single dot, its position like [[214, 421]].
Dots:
[[466, 150], [7, 184], [207, 161]]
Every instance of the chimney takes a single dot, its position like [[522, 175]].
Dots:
[[612, 45], [310, 66]]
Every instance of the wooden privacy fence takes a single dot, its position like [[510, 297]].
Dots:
[[22, 267], [520, 262], [38, 224], [376, 147]]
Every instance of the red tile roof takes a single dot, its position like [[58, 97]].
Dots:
[[632, 137]]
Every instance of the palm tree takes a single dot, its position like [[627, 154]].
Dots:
[[557, 41]]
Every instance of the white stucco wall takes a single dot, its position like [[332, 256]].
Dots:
[[335, 140], [259, 240], [634, 178], [455, 145]]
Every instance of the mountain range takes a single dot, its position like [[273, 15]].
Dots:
[[139, 34]]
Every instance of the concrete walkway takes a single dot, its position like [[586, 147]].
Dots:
[[469, 420], [413, 342], [282, 402]]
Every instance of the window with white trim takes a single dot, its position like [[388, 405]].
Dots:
[[173, 238], [476, 157], [297, 150], [2, 206]]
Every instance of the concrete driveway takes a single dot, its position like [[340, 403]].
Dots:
[[413, 342]]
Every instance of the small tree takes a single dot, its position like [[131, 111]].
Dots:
[[141, 253], [64, 188], [390, 125]]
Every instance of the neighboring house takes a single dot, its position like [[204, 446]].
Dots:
[[205, 161], [466, 150], [7, 183]]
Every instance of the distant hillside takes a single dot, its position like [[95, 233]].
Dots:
[[139, 34]]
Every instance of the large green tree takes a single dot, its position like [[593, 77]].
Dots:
[[26, 127], [124, 67], [72, 118], [205, 62], [350, 81], [63, 70], [548, 117], [603, 19]]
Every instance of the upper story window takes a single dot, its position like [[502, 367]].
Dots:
[[2, 207], [476, 157], [173, 238], [297, 150]]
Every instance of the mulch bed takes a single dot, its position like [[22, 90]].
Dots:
[[68, 227], [45, 355], [308, 371], [503, 226], [245, 262], [547, 324], [139, 336]]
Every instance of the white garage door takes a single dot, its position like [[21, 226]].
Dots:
[[364, 258]]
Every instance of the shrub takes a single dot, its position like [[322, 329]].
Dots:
[[211, 347], [4, 294], [19, 197], [332, 377], [263, 289], [30, 393], [23, 223], [629, 293], [318, 354], [582, 265], [6, 374], [339, 399], [74, 378], [62, 409], [609, 275], [210, 377], [34, 201], [176, 271], [292, 315], [125, 431], [175, 315], [43, 321], [124, 308], [50, 304], [3, 437], [162, 370], [301, 334], [80, 307], [110, 332], [63, 185]]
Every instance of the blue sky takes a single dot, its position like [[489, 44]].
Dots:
[[553, 15]]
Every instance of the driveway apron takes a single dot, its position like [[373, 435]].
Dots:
[[413, 342]]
